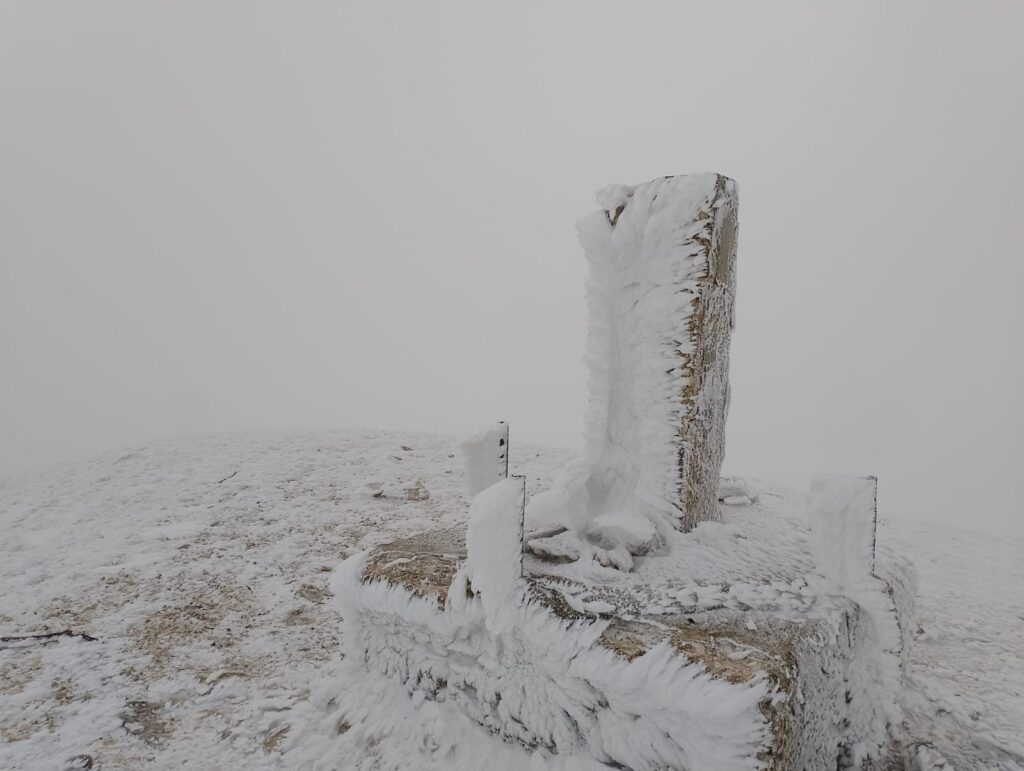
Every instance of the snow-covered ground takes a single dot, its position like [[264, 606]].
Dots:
[[201, 567]]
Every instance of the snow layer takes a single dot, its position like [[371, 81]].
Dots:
[[660, 297], [203, 564]]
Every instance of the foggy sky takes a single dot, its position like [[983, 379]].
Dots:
[[233, 215]]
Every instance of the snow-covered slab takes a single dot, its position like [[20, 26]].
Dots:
[[730, 653]]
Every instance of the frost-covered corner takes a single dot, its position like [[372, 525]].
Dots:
[[627, 616]]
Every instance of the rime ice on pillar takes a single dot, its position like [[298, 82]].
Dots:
[[661, 285], [485, 458], [494, 544]]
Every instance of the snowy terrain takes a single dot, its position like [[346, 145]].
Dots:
[[202, 566]]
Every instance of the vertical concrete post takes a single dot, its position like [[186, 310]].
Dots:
[[485, 458], [844, 519], [661, 289]]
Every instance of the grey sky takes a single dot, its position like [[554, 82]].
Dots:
[[234, 215]]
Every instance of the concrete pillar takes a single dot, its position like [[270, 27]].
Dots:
[[661, 289]]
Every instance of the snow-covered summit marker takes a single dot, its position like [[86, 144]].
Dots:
[[715, 644]]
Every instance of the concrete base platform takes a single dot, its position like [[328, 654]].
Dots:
[[650, 669]]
